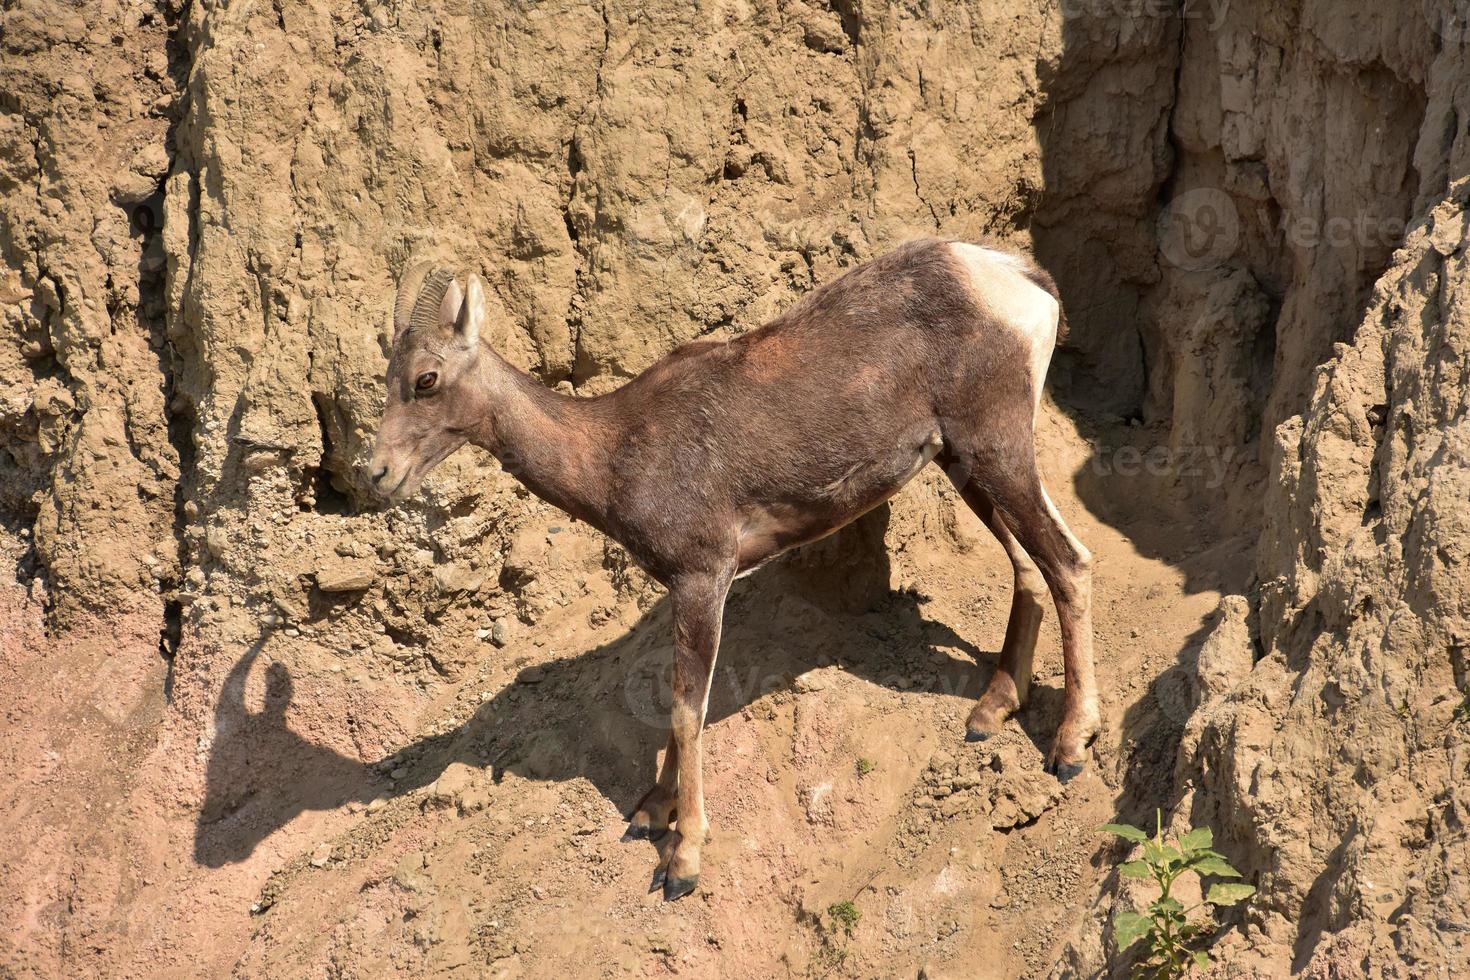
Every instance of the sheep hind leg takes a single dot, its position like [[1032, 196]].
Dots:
[[1011, 683], [1067, 567], [1006, 470]]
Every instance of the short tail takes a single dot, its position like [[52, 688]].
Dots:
[[1033, 271], [1042, 278]]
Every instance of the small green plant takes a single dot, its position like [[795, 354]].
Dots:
[[865, 766], [1166, 923], [845, 916], [834, 934]]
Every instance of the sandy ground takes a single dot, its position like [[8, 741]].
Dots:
[[485, 841]]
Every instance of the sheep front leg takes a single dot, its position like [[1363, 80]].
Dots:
[[656, 810], [699, 603]]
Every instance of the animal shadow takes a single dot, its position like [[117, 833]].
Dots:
[[601, 715]]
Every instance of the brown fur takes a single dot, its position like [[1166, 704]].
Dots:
[[722, 455]]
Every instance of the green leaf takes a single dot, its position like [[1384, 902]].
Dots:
[[1201, 959], [1197, 839], [1129, 927], [1162, 854], [1124, 831], [1168, 905], [1214, 866], [1135, 869], [1229, 893]]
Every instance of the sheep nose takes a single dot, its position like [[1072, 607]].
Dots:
[[378, 474]]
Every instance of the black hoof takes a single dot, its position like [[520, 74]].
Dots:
[[659, 880], [676, 888], [635, 832], [1067, 771], [973, 736]]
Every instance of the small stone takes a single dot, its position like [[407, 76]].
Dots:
[[347, 578], [532, 675], [452, 785], [151, 160], [812, 680], [824, 34], [410, 872], [321, 856], [457, 577], [523, 559], [398, 773], [499, 632]]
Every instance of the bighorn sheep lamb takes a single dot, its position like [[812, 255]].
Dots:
[[725, 454]]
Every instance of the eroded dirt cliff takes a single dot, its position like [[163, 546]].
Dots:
[[259, 722]]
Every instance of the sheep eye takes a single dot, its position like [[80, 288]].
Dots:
[[426, 381]]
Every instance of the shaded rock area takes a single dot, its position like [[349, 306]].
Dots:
[[257, 722]]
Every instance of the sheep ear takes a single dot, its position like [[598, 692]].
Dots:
[[472, 313], [451, 305]]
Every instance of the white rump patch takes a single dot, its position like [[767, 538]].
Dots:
[[999, 282]]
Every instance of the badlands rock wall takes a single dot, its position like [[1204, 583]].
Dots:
[[227, 193], [1341, 754], [1303, 308], [91, 457]]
